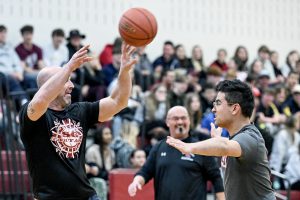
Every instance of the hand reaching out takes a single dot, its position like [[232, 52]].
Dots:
[[215, 132], [79, 58], [127, 61], [133, 187], [178, 144]]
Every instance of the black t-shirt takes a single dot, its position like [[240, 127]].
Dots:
[[178, 176], [55, 150]]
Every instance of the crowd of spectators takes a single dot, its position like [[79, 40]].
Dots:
[[171, 79]]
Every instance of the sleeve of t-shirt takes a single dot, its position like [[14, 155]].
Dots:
[[212, 172], [248, 143], [27, 124], [92, 112], [148, 169], [39, 53]]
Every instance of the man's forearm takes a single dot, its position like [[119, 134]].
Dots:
[[52, 87], [211, 147], [122, 91]]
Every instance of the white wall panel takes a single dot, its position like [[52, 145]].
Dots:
[[211, 23]]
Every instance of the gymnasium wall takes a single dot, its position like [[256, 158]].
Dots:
[[211, 23]]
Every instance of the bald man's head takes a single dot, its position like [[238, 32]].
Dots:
[[177, 109], [45, 74]]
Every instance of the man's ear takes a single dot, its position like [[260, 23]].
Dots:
[[236, 108]]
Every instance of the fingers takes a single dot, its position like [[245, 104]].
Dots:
[[212, 126], [86, 47], [132, 189]]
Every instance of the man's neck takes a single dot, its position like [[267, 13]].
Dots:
[[27, 45], [237, 125]]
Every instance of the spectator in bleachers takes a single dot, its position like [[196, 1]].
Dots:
[[220, 62], [280, 96], [268, 114], [291, 81], [183, 61], [178, 91], [56, 53], [10, 67], [285, 143], [155, 105], [292, 106], [106, 56], [177, 175], [264, 57], [255, 68], [292, 170], [100, 159], [241, 58], [193, 106], [31, 57], [166, 61], [111, 71], [290, 63], [207, 96], [137, 158], [74, 44], [143, 69], [168, 78], [274, 58], [263, 80], [196, 61], [93, 88], [100, 154], [214, 75], [193, 82]]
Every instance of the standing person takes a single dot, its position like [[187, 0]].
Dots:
[[54, 131], [177, 175], [247, 173]]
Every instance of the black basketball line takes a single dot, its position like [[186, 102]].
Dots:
[[149, 21], [129, 36], [137, 25]]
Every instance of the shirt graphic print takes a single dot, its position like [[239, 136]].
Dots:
[[67, 137]]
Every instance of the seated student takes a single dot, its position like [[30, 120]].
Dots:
[[137, 158], [292, 170]]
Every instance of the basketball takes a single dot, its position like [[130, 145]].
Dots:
[[138, 27]]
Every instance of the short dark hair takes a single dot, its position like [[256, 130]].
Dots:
[[169, 43], [239, 92], [26, 28], [58, 32], [2, 28]]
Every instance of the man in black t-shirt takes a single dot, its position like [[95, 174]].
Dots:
[[54, 131], [247, 172], [178, 176]]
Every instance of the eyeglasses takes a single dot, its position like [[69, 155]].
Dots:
[[218, 102], [183, 118]]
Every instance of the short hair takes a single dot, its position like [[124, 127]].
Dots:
[[239, 92], [58, 32], [2, 28], [264, 49], [169, 43], [132, 154], [26, 28]]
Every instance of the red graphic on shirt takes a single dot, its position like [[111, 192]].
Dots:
[[67, 137]]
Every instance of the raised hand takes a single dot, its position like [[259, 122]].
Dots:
[[178, 144], [127, 61], [215, 132], [79, 58]]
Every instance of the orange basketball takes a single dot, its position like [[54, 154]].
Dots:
[[138, 27]]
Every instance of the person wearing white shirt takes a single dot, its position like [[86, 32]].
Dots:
[[56, 54]]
